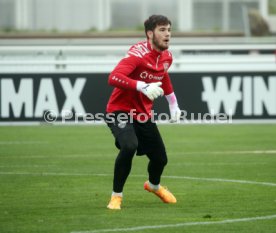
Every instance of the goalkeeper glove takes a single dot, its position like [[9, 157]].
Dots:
[[151, 90]]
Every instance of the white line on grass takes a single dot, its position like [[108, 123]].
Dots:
[[251, 152], [51, 174], [21, 142], [180, 224], [221, 180], [232, 152], [169, 177], [21, 166]]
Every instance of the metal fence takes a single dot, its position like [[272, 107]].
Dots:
[[103, 58]]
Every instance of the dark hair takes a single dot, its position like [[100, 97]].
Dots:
[[153, 21]]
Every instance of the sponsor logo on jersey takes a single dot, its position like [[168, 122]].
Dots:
[[146, 75]]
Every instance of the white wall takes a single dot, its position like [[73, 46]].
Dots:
[[62, 15], [83, 15]]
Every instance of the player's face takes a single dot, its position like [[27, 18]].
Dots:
[[161, 37]]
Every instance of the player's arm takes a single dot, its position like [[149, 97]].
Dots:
[[119, 78], [175, 111]]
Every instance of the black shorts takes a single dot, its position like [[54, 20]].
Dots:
[[147, 133]]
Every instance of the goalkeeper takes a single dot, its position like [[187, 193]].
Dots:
[[139, 78]]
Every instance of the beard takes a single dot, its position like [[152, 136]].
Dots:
[[158, 44]]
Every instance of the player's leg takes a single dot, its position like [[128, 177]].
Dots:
[[154, 146], [157, 162], [156, 153], [127, 143]]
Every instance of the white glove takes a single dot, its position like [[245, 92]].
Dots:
[[175, 113], [151, 90]]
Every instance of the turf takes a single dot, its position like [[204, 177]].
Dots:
[[59, 179]]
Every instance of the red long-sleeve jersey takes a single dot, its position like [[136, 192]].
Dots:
[[142, 63]]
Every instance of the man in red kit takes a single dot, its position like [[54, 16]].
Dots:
[[139, 78]]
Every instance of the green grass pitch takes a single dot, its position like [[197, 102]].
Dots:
[[58, 179]]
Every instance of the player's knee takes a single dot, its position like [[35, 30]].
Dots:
[[163, 158], [160, 162], [163, 161], [160, 158], [130, 147]]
